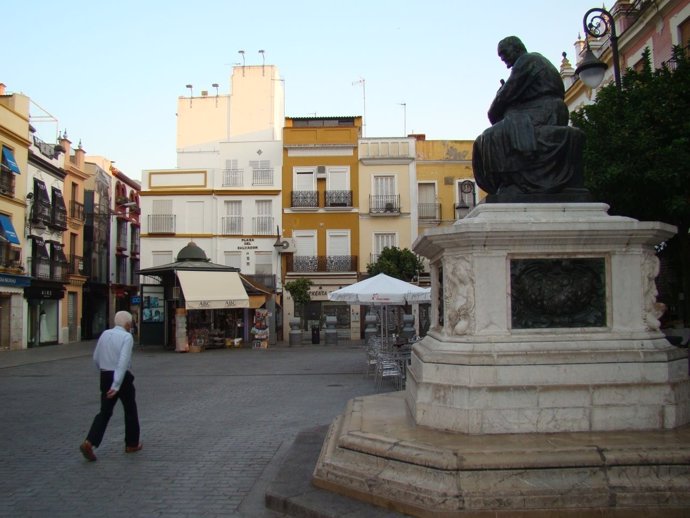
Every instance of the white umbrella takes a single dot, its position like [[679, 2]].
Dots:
[[381, 290]]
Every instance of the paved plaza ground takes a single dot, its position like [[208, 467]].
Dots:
[[216, 427]]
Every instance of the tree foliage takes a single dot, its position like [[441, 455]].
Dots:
[[299, 291], [399, 263], [638, 143], [637, 155]]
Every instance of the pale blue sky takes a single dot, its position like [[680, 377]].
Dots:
[[111, 72]]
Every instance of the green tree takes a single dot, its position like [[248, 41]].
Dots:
[[299, 291], [399, 263], [637, 155]]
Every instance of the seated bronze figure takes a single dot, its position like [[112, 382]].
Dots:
[[529, 154]]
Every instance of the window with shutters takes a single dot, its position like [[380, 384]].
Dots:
[[231, 222], [233, 175], [262, 172], [383, 240], [162, 218], [263, 221]]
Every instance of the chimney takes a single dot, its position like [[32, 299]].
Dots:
[[66, 144], [3, 86], [79, 155]]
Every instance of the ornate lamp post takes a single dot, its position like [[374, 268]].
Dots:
[[598, 22]]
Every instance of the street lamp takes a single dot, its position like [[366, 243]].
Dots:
[[598, 22]]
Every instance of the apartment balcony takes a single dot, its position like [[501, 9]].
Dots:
[[233, 177], [76, 211], [161, 223], [429, 212], [338, 198], [45, 269], [122, 239], [121, 277], [384, 204], [76, 265], [231, 225], [7, 183], [263, 226], [262, 176], [305, 199], [327, 264]]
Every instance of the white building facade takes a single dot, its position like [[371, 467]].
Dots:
[[224, 194]]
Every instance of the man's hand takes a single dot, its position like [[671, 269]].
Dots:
[[111, 394]]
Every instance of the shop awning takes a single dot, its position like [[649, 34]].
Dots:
[[256, 301], [7, 230], [212, 290], [9, 161]]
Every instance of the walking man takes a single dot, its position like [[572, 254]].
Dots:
[[113, 356]]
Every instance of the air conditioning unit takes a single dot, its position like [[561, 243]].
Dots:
[[321, 171], [287, 246]]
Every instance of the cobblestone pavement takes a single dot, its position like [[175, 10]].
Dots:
[[215, 428]]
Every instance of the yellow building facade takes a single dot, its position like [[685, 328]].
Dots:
[[73, 240], [14, 139], [320, 199], [446, 189], [387, 196]]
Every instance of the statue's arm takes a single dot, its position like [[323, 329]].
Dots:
[[512, 91]]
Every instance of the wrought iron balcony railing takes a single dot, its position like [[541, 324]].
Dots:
[[262, 176], [263, 226], [76, 265], [76, 210], [429, 211], [330, 263], [7, 183], [384, 204], [46, 269], [305, 199], [338, 198], [231, 225], [233, 177]]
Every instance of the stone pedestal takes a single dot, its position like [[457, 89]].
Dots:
[[544, 328]]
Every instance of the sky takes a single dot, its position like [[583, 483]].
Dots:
[[110, 73]]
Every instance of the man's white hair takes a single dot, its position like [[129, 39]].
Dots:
[[123, 318]]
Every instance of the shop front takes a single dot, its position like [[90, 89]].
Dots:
[[199, 305], [11, 310], [43, 299], [213, 304], [312, 316]]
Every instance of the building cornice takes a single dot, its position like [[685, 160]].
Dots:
[[208, 192]]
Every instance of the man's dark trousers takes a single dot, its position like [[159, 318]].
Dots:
[[126, 394]]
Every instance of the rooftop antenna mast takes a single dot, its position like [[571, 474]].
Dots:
[[263, 60], [362, 82], [241, 52], [404, 105]]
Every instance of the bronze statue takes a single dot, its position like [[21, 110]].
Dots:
[[529, 154]]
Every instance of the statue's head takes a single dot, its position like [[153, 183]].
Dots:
[[510, 49]]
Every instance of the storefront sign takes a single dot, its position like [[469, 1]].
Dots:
[[318, 293], [35, 292], [15, 280]]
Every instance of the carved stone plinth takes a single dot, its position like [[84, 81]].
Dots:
[[375, 452], [544, 383], [545, 319]]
